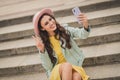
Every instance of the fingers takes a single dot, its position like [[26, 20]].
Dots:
[[83, 19], [38, 42], [81, 14], [36, 38]]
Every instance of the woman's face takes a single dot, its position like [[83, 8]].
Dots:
[[48, 23]]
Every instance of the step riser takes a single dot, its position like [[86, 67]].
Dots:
[[102, 60], [18, 51], [21, 69], [16, 21], [111, 59], [93, 23], [86, 42], [111, 78], [104, 20], [99, 40], [87, 8], [16, 35]]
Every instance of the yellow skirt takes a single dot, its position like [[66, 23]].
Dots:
[[56, 76]]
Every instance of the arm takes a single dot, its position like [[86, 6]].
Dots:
[[44, 57], [78, 33], [45, 60], [83, 32]]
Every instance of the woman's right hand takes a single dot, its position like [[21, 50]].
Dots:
[[39, 43]]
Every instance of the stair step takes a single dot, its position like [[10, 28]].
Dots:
[[20, 64], [95, 55], [26, 29], [104, 72], [16, 32], [16, 28], [22, 60], [28, 76], [15, 16], [102, 54], [102, 49]]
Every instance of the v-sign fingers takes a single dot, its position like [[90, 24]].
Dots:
[[38, 38], [34, 38]]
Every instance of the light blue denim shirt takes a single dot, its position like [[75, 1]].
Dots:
[[74, 55]]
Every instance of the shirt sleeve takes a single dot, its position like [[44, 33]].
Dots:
[[81, 33], [45, 60]]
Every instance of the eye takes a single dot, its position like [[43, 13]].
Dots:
[[50, 19], [46, 23]]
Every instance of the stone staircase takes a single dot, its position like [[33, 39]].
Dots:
[[19, 58]]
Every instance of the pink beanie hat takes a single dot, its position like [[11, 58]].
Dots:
[[37, 16]]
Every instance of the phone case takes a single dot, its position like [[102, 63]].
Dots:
[[76, 11]]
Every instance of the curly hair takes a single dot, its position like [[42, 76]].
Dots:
[[63, 34]]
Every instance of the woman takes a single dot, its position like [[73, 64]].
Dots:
[[59, 54]]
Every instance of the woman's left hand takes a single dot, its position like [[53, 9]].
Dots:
[[83, 19]]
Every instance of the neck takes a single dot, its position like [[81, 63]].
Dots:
[[51, 33]]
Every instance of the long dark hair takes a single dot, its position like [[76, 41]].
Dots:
[[63, 34]]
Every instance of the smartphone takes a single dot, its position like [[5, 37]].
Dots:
[[76, 11]]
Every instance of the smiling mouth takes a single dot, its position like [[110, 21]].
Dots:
[[53, 26]]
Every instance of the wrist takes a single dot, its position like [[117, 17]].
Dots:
[[87, 28]]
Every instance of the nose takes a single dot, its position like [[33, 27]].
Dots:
[[51, 23]]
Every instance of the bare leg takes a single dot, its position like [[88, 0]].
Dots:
[[76, 76], [66, 71]]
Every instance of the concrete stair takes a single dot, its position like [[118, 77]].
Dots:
[[19, 58], [103, 17], [99, 55], [108, 71], [31, 76], [13, 14], [99, 35]]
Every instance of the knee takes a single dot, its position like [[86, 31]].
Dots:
[[76, 76], [67, 65]]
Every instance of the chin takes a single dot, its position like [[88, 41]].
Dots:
[[55, 28]]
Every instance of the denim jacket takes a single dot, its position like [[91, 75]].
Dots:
[[74, 55]]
